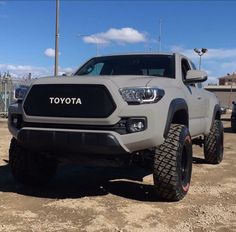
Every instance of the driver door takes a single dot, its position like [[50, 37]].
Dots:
[[197, 103]]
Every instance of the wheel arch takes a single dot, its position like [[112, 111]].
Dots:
[[177, 113], [216, 114]]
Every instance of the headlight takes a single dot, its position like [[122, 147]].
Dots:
[[21, 92], [142, 95]]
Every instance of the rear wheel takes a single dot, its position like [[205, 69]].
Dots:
[[30, 168], [173, 164], [214, 144], [233, 124]]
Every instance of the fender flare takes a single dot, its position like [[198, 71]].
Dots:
[[215, 111], [175, 105]]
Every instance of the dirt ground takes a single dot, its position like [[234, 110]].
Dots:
[[119, 199]]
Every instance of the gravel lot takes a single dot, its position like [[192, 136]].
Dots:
[[112, 199]]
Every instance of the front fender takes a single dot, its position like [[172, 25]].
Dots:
[[176, 105]]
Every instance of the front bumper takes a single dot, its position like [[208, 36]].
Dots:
[[60, 141]]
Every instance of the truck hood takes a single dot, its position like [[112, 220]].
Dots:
[[119, 81]]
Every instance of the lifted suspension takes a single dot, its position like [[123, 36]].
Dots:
[[198, 141]]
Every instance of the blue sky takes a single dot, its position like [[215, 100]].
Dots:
[[27, 32]]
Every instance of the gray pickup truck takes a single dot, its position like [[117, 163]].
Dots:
[[113, 109]]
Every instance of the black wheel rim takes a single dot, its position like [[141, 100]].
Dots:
[[184, 166], [221, 146]]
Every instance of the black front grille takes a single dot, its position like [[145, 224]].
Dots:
[[119, 127], [69, 100]]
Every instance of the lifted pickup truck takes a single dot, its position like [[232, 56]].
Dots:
[[115, 108]]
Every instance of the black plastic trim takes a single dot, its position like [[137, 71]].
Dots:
[[215, 111], [70, 142], [118, 127], [175, 105]]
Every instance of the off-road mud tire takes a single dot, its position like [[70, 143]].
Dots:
[[214, 144], [173, 164], [30, 168]]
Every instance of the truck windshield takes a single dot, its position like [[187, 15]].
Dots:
[[144, 65]]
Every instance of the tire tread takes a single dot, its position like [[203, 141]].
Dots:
[[165, 165]]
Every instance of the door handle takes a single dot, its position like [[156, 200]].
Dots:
[[199, 97]]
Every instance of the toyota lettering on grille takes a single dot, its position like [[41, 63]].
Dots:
[[65, 100]]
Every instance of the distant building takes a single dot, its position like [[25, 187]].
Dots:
[[225, 93], [230, 79]]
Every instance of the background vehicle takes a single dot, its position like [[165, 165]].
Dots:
[[233, 117]]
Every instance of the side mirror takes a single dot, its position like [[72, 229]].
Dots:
[[66, 74], [233, 102], [194, 76]]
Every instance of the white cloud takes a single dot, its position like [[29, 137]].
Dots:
[[220, 53], [230, 65], [123, 36], [95, 39], [50, 52], [24, 70], [212, 53], [177, 48], [68, 71]]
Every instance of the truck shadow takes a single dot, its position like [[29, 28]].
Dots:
[[197, 160], [78, 182]]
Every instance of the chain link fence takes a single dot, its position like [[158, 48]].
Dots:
[[7, 91]]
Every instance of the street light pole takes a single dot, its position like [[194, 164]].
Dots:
[[200, 62], [56, 39], [200, 53]]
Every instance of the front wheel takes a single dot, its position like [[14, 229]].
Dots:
[[30, 168], [173, 164], [214, 144]]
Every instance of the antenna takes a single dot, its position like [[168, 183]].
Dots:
[[56, 39], [159, 38]]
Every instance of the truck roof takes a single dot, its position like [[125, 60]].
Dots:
[[138, 53]]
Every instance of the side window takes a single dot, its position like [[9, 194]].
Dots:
[[96, 69], [185, 67], [197, 85], [90, 70], [193, 66]]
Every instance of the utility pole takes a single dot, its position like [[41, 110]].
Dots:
[[56, 39]]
